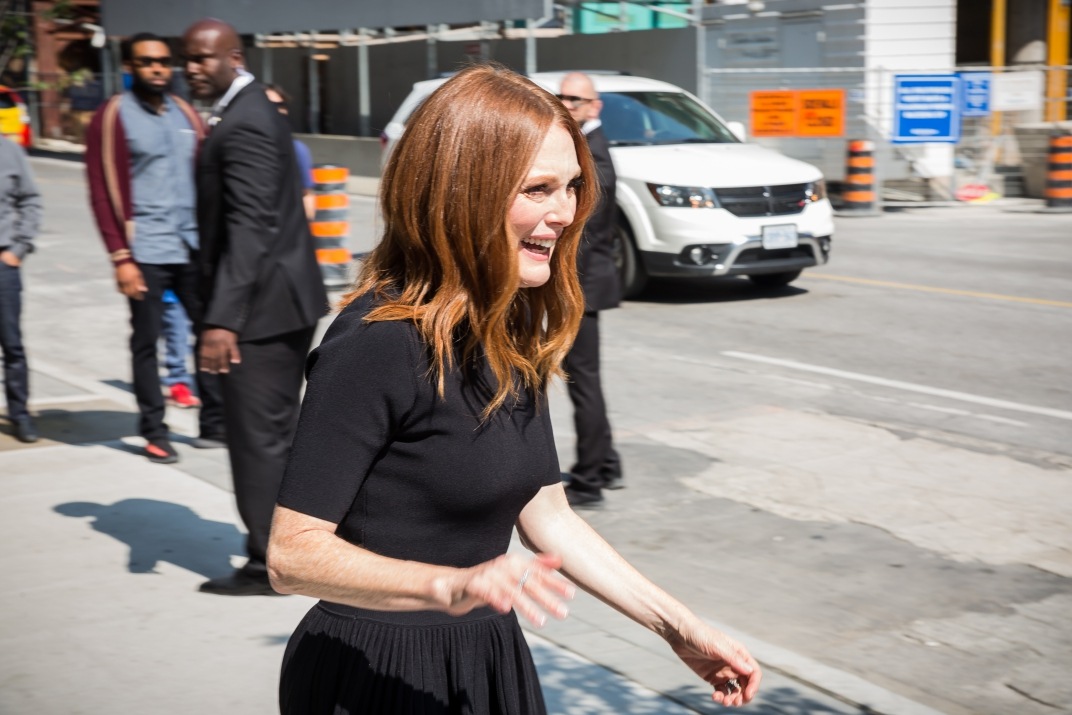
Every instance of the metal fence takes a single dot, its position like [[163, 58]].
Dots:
[[990, 148]]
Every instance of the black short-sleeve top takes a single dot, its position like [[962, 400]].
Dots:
[[403, 472]]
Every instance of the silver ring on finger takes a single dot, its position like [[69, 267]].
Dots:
[[524, 579]]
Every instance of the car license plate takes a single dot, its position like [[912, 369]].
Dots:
[[781, 236]]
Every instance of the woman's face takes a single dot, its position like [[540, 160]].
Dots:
[[544, 206]]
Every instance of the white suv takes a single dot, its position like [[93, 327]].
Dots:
[[693, 199]]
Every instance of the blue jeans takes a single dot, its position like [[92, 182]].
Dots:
[[16, 372], [175, 330]]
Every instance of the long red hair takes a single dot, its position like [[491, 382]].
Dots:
[[446, 260]]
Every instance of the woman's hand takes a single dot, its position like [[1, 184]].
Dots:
[[533, 586], [720, 660]]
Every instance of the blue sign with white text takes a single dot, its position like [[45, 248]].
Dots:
[[926, 109], [975, 91]]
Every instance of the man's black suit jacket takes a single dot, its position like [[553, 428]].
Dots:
[[595, 257], [259, 272]]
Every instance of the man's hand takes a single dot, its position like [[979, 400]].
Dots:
[[129, 281], [10, 258], [219, 350]]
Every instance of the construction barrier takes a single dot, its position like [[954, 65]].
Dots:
[[331, 224], [859, 192], [1059, 174]]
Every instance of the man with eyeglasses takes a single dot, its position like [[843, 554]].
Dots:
[[141, 148], [598, 465]]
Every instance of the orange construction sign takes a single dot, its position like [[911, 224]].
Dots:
[[773, 113], [798, 113], [820, 113]]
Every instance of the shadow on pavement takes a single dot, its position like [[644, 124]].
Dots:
[[158, 531], [718, 290], [85, 424], [769, 701]]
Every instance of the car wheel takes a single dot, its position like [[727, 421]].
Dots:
[[774, 280], [631, 272]]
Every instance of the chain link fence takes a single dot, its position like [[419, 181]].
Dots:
[[1005, 152]]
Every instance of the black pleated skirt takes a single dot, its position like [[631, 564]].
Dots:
[[345, 660]]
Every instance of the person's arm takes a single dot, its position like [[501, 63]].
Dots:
[[110, 224], [250, 169], [548, 524], [601, 222], [251, 175], [27, 202], [305, 556], [364, 385], [305, 166]]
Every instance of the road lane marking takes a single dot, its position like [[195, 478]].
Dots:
[[968, 413], [947, 291], [908, 386]]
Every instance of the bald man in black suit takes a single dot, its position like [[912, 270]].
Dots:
[[261, 284], [598, 466]]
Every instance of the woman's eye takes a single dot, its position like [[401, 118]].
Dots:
[[575, 184], [535, 190]]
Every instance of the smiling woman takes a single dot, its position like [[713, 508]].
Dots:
[[488, 197], [425, 436]]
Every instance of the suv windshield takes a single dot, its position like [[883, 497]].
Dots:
[[644, 118]]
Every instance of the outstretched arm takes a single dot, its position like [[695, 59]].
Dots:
[[549, 525], [305, 556]]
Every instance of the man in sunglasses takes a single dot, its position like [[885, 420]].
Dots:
[[140, 159], [598, 466]]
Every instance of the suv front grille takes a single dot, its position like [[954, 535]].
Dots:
[[754, 201]]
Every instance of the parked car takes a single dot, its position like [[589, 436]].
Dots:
[[694, 199], [14, 118]]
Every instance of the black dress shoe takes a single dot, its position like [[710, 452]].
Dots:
[[25, 430], [209, 442], [240, 583], [583, 499], [615, 482]]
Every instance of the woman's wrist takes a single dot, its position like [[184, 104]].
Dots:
[[444, 588]]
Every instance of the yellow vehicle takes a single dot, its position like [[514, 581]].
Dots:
[[14, 118]]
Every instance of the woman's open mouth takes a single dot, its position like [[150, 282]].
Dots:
[[538, 249]]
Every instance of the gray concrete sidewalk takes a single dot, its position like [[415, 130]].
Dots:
[[104, 552]]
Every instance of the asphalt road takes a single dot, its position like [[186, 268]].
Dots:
[[869, 470]]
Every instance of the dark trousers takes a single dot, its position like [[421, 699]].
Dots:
[[145, 323], [261, 397], [597, 461], [16, 373]]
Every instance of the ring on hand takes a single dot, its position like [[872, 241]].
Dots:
[[524, 578], [732, 686]]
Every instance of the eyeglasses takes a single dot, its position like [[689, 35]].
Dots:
[[147, 62], [572, 99]]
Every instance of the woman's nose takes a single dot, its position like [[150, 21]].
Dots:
[[565, 207]]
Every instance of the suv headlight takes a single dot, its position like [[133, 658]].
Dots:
[[696, 197], [815, 191]]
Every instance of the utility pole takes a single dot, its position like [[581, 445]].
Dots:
[[1057, 56]]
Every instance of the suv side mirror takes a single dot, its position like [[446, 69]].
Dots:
[[738, 130]]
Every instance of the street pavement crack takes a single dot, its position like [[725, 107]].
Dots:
[[1030, 697]]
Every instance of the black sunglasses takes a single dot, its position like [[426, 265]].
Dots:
[[147, 62], [572, 99]]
